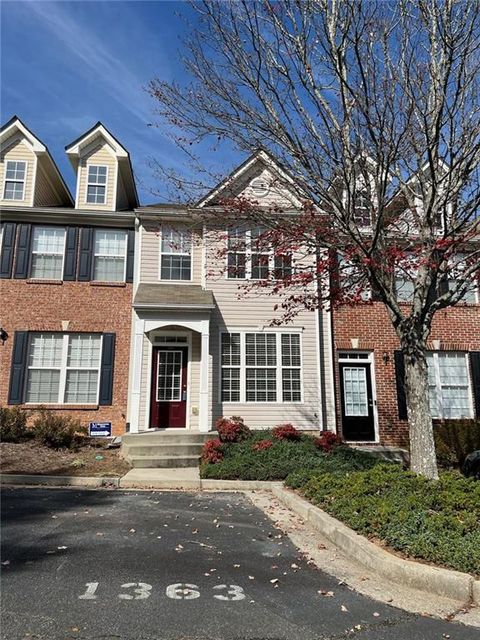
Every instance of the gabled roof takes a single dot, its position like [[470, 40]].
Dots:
[[8, 130], [99, 130], [260, 156]]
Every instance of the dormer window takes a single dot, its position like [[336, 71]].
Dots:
[[96, 184], [15, 180]]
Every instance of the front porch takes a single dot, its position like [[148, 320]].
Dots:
[[170, 369]]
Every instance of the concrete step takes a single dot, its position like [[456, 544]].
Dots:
[[164, 462], [174, 449], [167, 437]]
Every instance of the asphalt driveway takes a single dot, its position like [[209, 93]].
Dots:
[[151, 565]]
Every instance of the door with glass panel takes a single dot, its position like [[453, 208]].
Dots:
[[169, 388], [358, 423]]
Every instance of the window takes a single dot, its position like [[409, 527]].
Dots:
[[96, 184], [260, 367], [362, 208], [455, 278], [404, 288], [48, 249], [15, 173], [449, 386], [250, 257], [176, 254], [353, 280], [63, 368], [109, 255]]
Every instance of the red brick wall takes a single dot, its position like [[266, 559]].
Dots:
[[457, 329], [34, 306]]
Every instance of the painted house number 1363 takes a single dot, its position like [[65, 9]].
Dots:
[[177, 591]]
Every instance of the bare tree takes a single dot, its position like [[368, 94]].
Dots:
[[373, 111]]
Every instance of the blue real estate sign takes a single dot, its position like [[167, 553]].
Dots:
[[100, 429]]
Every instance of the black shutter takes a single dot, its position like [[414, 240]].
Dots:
[[70, 269], [443, 285], [130, 254], [17, 371], [475, 367], [8, 244], [86, 246], [106, 373], [400, 379], [22, 259]]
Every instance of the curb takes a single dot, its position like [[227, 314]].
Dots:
[[58, 481], [199, 485], [435, 580]]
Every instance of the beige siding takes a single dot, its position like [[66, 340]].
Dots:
[[99, 155], [45, 195], [150, 254], [18, 150], [122, 200], [256, 311]]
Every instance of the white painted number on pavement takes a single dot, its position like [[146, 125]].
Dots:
[[234, 592], [142, 591], [90, 592], [182, 591]]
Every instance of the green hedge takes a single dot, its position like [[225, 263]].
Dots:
[[434, 521], [283, 458]]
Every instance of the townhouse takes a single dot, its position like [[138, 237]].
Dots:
[[66, 275], [135, 315]]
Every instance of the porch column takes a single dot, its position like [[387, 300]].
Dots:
[[204, 378], [136, 375]]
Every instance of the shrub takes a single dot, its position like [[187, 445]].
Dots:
[[13, 424], [232, 429], [327, 441], [433, 520], [455, 439], [286, 432], [262, 445], [57, 431], [212, 451]]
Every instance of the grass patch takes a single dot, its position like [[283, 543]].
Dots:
[[435, 521]]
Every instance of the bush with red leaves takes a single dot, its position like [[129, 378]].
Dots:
[[261, 445], [286, 432], [232, 429], [328, 441], [212, 451]]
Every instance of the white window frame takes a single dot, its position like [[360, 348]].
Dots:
[[96, 184], [164, 253], [249, 252], [24, 181], [439, 387], [32, 252], [278, 367], [451, 279], [64, 368], [102, 255]]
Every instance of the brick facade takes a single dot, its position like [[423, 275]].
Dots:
[[88, 307], [455, 329]]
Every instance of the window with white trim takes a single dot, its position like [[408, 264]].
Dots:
[[353, 280], [455, 277], [63, 368], [48, 251], [449, 385], [109, 255], [97, 184], [176, 254], [250, 257], [15, 173], [261, 367]]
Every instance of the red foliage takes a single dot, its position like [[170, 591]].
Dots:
[[327, 441], [286, 432], [232, 429], [261, 445], [212, 451]]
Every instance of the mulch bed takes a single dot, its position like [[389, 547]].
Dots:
[[32, 458]]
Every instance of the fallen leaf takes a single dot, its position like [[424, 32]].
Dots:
[[376, 615], [343, 608], [132, 530], [274, 581], [62, 548], [251, 577], [6, 562]]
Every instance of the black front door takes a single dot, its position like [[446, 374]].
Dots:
[[358, 423]]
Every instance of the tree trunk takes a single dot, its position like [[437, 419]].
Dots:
[[423, 458]]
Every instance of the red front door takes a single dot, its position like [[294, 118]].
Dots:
[[169, 387]]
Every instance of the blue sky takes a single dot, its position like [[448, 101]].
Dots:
[[66, 65]]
